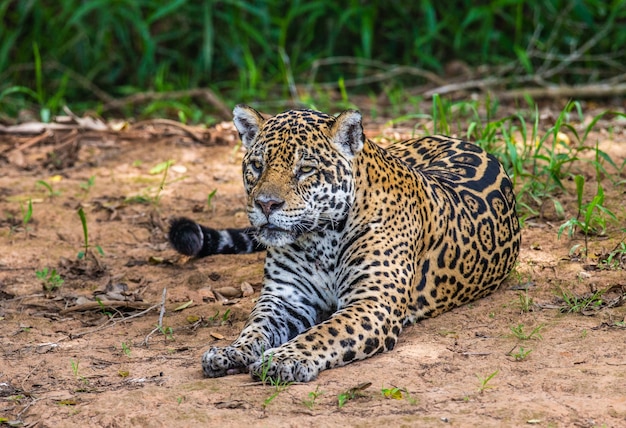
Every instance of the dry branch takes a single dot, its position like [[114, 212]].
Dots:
[[109, 304], [143, 97]]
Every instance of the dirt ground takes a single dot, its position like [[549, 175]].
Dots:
[[89, 353]]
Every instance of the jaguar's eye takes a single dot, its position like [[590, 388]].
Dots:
[[305, 170], [256, 165]]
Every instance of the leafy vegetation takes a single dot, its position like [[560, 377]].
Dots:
[[518, 332], [352, 393], [106, 49], [50, 279], [483, 382], [575, 303], [85, 252], [313, 396], [521, 354]]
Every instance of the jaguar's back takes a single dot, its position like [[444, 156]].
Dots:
[[471, 234]]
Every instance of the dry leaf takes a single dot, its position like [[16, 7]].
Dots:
[[184, 306]]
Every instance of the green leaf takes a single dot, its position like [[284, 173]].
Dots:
[[160, 167], [83, 220], [522, 56], [29, 212]]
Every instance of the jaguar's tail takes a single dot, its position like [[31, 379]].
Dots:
[[192, 239]]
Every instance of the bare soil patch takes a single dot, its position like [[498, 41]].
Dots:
[[68, 360]]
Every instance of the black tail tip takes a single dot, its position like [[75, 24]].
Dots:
[[185, 236]]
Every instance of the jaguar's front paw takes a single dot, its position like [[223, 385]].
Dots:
[[218, 362], [284, 368]]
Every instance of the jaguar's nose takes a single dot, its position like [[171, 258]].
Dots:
[[268, 204]]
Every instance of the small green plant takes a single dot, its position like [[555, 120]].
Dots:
[[484, 382], [87, 185], [521, 354], [51, 192], [266, 364], [591, 217], [614, 259], [398, 394], [279, 386], [210, 197], [50, 279], [352, 393], [574, 303], [222, 319], [74, 365], [518, 332], [263, 375], [27, 215], [526, 302], [125, 349], [86, 246], [393, 392], [168, 332], [152, 195], [103, 307], [161, 168], [313, 395]]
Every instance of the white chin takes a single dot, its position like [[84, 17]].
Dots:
[[276, 238]]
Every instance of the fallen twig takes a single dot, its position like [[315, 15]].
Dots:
[[143, 97], [159, 326], [188, 130], [109, 304]]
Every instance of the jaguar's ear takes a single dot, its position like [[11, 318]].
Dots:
[[347, 132], [248, 122]]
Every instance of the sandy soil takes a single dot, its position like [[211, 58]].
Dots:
[[68, 360]]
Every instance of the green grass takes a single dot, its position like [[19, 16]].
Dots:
[[519, 333], [289, 51], [573, 303], [86, 251], [483, 382], [50, 279]]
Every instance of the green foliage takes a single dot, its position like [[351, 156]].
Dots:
[[221, 319], [591, 217], [574, 303], [210, 197], [352, 393], [75, 370], [167, 332], [526, 302], [50, 279], [51, 192], [103, 49], [518, 332], [27, 215], [614, 259], [484, 381], [398, 394], [521, 354], [313, 395], [86, 246], [266, 364], [87, 185], [125, 349]]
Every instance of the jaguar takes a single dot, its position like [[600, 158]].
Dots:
[[360, 240]]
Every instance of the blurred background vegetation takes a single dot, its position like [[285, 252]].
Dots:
[[112, 56]]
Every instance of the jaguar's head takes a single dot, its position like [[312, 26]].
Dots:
[[297, 170]]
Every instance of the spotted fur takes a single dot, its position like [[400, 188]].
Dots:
[[360, 240]]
